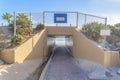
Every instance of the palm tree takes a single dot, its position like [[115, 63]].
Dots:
[[7, 17]]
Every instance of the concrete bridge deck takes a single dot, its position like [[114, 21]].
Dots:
[[63, 67]]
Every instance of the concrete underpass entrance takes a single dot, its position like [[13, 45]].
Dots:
[[63, 63], [63, 67]]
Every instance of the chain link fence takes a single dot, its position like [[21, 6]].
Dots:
[[5, 36], [46, 18], [71, 19], [34, 19], [91, 26]]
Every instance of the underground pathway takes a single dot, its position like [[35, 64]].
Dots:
[[63, 67]]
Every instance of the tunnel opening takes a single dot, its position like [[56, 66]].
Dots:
[[60, 46], [59, 41], [63, 45]]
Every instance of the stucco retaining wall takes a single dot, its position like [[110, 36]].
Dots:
[[111, 58], [85, 49], [35, 47]]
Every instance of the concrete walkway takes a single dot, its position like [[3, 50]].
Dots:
[[20, 71], [62, 67]]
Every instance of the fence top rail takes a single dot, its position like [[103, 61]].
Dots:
[[60, 12], [30, 12], [64, 12], [92, 15]]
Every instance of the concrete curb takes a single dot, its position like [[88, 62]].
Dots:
[[69, 51], [43, 75], [33, 75]]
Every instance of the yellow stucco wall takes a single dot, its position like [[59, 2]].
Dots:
[[35, 47], [7, 55], [111, 59], [85, 49]]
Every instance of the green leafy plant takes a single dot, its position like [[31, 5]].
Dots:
[[40, 26], [17, 40], [7, 17], [117, 25], [21, 31], [28, 30], [23, 20], [23, 25], [93, 30], [25, 31]]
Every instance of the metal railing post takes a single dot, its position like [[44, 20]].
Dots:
[[30, 19], [44, 18], [104, 41], [85, 18], [14, 23], [3, 37], [106, 22], [77, 19]]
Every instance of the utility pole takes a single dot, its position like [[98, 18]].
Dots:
[[14, 23]]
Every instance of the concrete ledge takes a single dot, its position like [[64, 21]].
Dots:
[[20, 71]]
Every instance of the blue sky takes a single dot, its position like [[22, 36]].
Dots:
[[105, 8]]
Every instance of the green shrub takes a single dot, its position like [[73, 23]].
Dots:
[[40, 26], [17, 40], [21, 31], [93, 30], [23, 20], [28, 30], [23, 25], [25, 31]]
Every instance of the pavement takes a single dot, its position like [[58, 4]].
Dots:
[[63, 67], [20, 71]]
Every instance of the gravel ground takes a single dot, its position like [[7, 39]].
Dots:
[[96, 71], [114, 71]]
